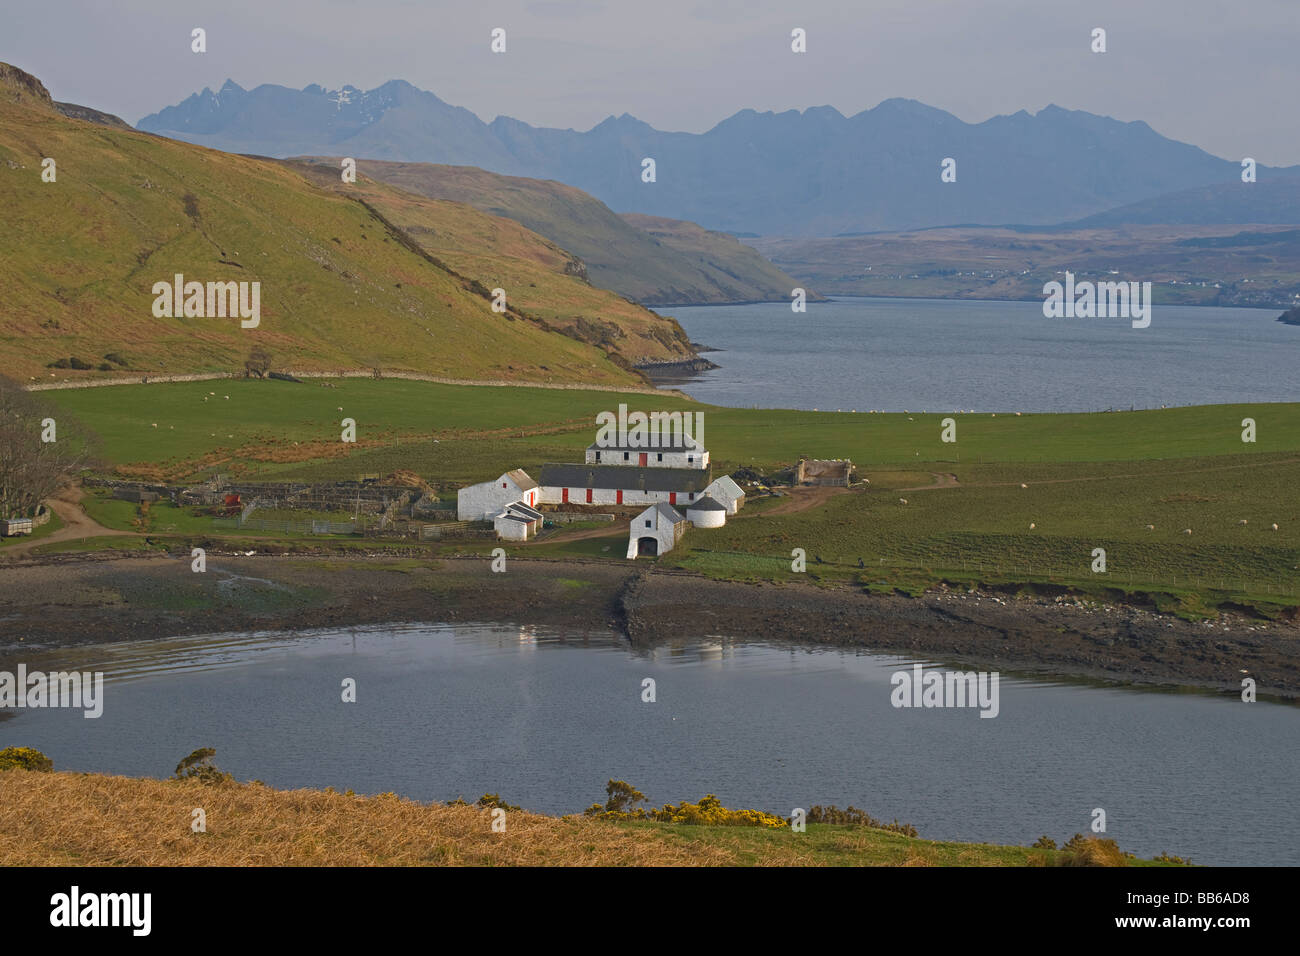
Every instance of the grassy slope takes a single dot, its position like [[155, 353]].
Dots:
[[90, 820], [338, 290], [501, 253], [1094, 480], [670, 266]]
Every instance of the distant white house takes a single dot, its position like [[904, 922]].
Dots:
[[655, 531], [487, 499], [727, 493]]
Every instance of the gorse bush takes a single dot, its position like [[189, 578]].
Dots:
[[24, 758], [1080, 850]]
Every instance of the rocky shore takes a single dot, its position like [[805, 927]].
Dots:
[[78, 600]]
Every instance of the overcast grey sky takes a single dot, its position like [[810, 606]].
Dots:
[[1221, 74]]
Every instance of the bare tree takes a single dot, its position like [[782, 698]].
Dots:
[[31, 467], [257, 363]]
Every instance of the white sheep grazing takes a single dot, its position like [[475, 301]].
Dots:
[[1242, 521], [1032, 526], [902, 501], [340, 408], [1187, 531], [155, 424], [1023, 485], [1151, 527], [226, 397], [1274, 525]]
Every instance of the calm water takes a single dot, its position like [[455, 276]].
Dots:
[[545, 719], [940, 355]]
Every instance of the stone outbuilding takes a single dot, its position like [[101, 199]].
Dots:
[[655, 531]]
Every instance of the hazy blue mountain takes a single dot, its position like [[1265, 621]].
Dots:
[[810, 172]]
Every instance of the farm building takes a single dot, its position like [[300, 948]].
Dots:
[[655, 531], [517, 522], [706, 513], [727, 493], [621, 484], [678, 451], [484, 501]]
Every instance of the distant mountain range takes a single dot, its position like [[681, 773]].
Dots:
[[810, 173]]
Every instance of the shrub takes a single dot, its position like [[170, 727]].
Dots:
[[494, 800], [1091, 851], [1044, 843], [199, 766], [622, 797], [852, 816], [24, 758]]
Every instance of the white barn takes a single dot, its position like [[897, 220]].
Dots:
[[655, 530], [484, 501], [727, 493]]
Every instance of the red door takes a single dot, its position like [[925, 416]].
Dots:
[[588, 496], [564, 496], [642, 462], [620, 496], [672, 497]]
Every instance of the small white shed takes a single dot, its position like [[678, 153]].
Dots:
[[655, 530]]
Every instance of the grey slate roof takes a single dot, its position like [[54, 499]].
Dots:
[[518, 507], [626, 477], [705, 504]]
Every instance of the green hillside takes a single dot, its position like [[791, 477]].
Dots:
[[651, 260], [341, 288]]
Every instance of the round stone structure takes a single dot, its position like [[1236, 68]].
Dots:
[[706, 513]]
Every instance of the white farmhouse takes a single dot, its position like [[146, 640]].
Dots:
[[655, 530], [487, 499], [727, 493]]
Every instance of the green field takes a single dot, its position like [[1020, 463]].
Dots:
[[1091, 480]]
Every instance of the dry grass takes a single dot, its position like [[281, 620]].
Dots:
[[52, 819]]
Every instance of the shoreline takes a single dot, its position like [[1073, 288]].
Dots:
[[79, 600]]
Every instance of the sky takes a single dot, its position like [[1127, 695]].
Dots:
[[1220, 74]]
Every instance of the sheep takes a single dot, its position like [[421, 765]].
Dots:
[[1151, 527], [1242, 521], [155, 424], [1032, 526], [1187, 531], [1274, 525], [902, 501], [1023, 485]]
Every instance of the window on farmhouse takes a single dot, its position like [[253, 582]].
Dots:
[[627, 456], [661, 456], [690, 459], [647, 522]]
